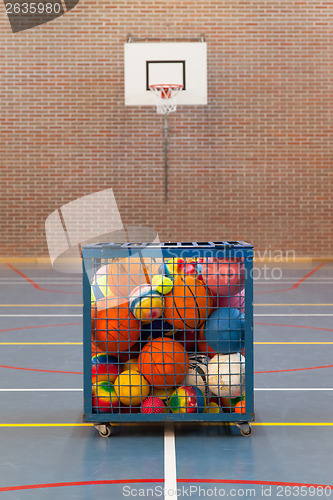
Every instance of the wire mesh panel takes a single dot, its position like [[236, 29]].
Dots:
[[168, 332]]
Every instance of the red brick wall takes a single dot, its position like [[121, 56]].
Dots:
[[255, 164]]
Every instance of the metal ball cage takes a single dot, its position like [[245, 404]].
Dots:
[[112, 273]]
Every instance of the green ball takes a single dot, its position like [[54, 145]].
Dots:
[[162, 284]]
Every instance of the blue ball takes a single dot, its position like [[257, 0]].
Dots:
[[224, 330]]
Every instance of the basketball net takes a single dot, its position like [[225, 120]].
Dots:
[[165, 97]]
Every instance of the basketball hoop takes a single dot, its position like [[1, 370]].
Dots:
[[165, 97]]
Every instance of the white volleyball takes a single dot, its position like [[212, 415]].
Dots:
[[197, 372], [226, 375]]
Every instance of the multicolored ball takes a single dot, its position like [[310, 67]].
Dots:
[[172, 267], [153, 404], [162, 284], [187, 399], [104, 368], [99, 285], [105, 399], [146, 303]]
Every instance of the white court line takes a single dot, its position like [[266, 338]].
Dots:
[[170, 473], [40, 390], [293, 388], [293, 314]]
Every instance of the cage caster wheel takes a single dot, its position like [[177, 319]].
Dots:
[[104, 430], [245, 428]]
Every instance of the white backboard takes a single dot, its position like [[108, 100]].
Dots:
[[148, 63]]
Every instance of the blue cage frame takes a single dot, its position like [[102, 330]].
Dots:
[[223, 249]]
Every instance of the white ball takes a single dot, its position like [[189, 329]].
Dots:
[[197, 372], [226, 375]]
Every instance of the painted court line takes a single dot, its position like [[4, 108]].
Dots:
[[292, 305], [292, 343], [80, 315], [41, 390], [170, 473], [293, 314], [81, 305], [81, 343], [35, 285], [42, 305], [41, 315], [41, 343], [256, 389], [299, 282], [268, 424]]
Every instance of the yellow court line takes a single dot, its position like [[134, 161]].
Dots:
[[41, 343], [46, 425], [263, 424], [296, 424]]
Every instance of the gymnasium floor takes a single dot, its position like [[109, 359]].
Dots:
[[46, 451]]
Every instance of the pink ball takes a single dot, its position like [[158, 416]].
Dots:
[[153, 404], [223, 277], [237, 300]]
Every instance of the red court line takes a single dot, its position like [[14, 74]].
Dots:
[[35, 284], [296, 326], [39, 326], [81, 373], [299, 282], [265, 483], [296, 369], [145, 481], [80, 483], [37, 370]]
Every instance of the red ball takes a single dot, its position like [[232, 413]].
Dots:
[[223, 277], [153, 404], [107, 372]]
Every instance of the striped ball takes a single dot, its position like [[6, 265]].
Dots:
[[187, 399], [99, 286], [146, 303], [174, 266]]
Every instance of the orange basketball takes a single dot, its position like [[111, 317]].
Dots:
[[163, 362], [126, 274], [189, 304], [114, 328]]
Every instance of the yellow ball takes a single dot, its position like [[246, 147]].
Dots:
[[212, 408], [162, 284], [131, 388], [131, 364], [163, 393]]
